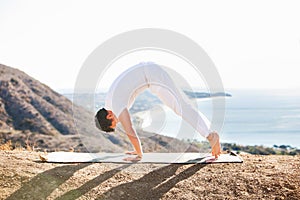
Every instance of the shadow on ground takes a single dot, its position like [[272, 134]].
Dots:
[[42, 185], [151, 186]]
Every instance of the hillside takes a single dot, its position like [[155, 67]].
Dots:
[[32, 114], [259, 177]]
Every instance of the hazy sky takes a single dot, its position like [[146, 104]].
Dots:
[[254, 44]]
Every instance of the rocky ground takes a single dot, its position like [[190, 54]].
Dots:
[[22, 176]]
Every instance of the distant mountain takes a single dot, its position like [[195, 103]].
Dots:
[[146, 100], [200, 95], [27, 104], [32, 113]]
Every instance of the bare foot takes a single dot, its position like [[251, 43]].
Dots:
[[214, 141]]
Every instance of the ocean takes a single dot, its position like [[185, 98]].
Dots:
[[263, 117], [252, 117]]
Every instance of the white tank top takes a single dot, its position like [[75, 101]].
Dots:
[[130, 84]]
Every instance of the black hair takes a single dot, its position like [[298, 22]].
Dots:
[[101, 122]]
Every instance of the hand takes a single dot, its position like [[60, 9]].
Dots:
[[131, 153], [133, 159], [214, 141]]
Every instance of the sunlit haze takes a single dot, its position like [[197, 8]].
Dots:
[[253, 45]]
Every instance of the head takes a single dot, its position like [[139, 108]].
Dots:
[[105, 120]]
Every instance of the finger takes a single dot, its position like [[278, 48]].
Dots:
[[133, 153], [129, 152]]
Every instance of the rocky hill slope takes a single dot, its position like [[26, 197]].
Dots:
[[33, 114], [27, 104]]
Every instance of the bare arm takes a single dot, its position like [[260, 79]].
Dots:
[[125, 120]]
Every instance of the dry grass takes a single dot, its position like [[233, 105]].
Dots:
[[29, 146], [9, 146], [6, 146]]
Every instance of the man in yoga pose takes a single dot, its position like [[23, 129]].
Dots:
[[134, 81]]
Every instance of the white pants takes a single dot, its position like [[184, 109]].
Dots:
[[161, 84]]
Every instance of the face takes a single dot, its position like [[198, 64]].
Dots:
[[113, 119]]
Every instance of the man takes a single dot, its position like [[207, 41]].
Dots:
[[129, 85]]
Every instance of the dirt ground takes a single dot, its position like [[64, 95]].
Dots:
[[259, 177]]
